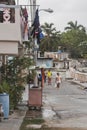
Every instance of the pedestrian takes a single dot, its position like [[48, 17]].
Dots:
[[39, 80], [45, 76], [58, 80], [49, 75]]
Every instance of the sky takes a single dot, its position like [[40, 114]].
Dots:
[[64, 12]]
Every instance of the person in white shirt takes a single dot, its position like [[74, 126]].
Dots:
[[58, 80]]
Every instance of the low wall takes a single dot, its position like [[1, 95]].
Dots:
[[82, 77]]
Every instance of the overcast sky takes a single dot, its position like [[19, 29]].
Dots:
[[64, 12]]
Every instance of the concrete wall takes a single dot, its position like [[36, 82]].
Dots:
[[11, 31], [45, 62], [82, 77], [9, 48]]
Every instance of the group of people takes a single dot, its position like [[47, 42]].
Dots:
[[48, 76]]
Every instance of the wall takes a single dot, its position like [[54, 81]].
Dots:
[[82, 77], [9, 48], [45, 62], [11, 31]]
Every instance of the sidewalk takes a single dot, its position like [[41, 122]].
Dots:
[[15, 119]]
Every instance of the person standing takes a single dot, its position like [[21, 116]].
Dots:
[[58, 80], [43, 77], [49, 75], [39, 80]]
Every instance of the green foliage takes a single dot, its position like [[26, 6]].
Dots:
[[28, 121], [52, 38], [4, 87], [15, 95], [31, 76], [72, 40], [15, 75], [74, 26]]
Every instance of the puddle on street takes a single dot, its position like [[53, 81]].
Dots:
[[46, 113]]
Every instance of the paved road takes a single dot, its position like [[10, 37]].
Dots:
[[66, 106], [63, 107]]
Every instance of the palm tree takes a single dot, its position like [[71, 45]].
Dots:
[[74, 26], [48, 28], [49, 43]]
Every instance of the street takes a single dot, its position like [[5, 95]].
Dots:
[[66, 106]]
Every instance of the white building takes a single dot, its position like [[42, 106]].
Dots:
[[13, 29]]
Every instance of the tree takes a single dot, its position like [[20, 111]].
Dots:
[[74, 26], [71, 40], [14, 74], [51, 39]]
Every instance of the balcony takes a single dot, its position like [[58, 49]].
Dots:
[[11, 29]]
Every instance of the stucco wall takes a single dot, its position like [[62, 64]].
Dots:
[[11, 31], [9, 48]]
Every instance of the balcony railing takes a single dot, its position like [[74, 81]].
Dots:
[[7, 15], [13, 23]]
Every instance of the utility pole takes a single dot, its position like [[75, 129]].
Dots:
[[32, 9], [35, 39], [33, 6], [17, 2]]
